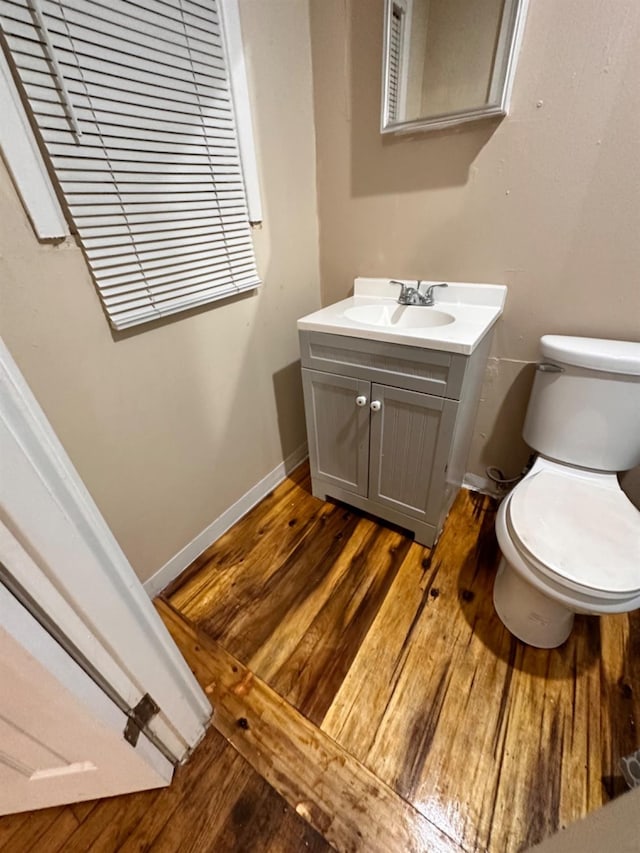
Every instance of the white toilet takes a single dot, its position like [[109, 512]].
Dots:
[[569, 536]]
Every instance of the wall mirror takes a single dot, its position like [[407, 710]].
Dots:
[[446, 62]]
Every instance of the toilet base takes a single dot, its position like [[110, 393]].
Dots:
[[528, 614]]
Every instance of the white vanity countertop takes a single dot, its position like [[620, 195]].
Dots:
[[473, 307]]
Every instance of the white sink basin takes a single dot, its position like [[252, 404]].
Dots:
[[398, 316], [462, 316]]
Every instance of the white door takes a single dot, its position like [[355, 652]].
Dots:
[[61, 738], [61, 561]]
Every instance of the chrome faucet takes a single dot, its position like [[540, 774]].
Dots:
[[410, 295]]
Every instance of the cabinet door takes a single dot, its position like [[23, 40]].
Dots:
[[410, 438], [337, 411]]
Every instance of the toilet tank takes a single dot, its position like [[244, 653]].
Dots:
[[584, 407]]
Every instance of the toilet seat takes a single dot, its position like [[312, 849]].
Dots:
[[580, 531]]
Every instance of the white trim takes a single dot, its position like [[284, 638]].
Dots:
[[516, 45], [24, 161], [232, 29], [81, 567], [183, 559], [501, 58], [476, 483]]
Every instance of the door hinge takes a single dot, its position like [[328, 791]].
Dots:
[[145, 710]]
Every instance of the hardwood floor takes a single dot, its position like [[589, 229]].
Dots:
[[367, 698], [347, 803], [397, 655], [292, 589]]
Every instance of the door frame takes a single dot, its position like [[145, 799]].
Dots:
[[83, 582]]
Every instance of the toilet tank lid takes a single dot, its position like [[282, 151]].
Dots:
[[593, 353]]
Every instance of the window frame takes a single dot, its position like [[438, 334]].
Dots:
[[22, 156]]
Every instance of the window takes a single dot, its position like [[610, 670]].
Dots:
[[132, 101]]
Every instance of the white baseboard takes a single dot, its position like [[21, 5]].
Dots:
[[178, 563], [475, 483]]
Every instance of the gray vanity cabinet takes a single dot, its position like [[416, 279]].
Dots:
[[389, 425], [382, 443]]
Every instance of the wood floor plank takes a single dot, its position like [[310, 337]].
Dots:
[[552, 741], [259, 538], [619, 676], [55, 837], [9, 825], [258, 820], [336, 794], [269, 661], [311, 669], [293, 591], [109, 824], [82, 810], [246, 813], [198, 823], [273, 828], [405, 697], [241, 812], [497, 743], [370, 680], [205, 763], [277, 595], [30, 831], [263, 823], [246, 614]]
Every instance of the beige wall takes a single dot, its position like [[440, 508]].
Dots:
[[169, 425], [546, 202]]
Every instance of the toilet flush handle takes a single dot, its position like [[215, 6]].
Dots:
[[548, 367]]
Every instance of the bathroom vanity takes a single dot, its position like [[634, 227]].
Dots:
[[391, 394]]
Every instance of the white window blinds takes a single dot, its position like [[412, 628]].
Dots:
[[151, 175]]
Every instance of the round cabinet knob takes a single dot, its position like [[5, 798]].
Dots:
[[375, 406], [361, 400]]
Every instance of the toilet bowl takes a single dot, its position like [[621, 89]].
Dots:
[[569, 536], [559, 555]]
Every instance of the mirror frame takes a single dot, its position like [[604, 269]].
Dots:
[[511, 30]]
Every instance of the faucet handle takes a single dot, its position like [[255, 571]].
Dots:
[[405, 291], [429, 294]]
